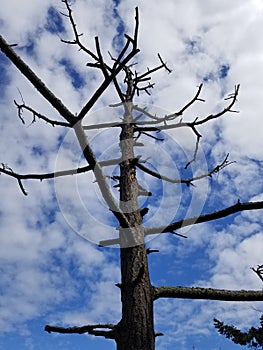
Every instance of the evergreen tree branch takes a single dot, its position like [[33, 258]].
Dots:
[[258, 271], [253, 337]]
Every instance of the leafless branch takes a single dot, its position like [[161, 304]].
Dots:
[[21, 107], [188, 182], [233, 97], [198, 137], [164, 64], [149, 135], [236, 208], [195, 98], [110, 78], [8, 171], [77, 36], [90, 329], [146, 76], [70, 118], [192, 125], [36, 82], [101, 61], [207, 293], [155, 119]]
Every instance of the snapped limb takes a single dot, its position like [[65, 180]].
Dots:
[[97, 330]]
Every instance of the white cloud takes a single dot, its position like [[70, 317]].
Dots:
[[38, 252]]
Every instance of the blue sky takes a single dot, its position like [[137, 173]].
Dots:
[[52, 271]]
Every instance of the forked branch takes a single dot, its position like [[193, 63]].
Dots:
[[189, 181], [23, 106]]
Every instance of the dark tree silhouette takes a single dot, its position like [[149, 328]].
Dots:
[[135, 330], [253, 338]]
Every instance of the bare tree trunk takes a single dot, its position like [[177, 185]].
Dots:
[[136, 329]]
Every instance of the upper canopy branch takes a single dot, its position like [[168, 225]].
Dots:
[[77, 36], [207, 293], [120, 63]]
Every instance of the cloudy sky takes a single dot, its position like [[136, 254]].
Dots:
[[52, 271]]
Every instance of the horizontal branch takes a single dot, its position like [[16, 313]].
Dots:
[[8, 171], [57, 173], [90, 329], [238, 207], [103, 125], [140, 125], [207, 293], [36, 82]]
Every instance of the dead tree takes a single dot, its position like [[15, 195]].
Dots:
[[135, 330]]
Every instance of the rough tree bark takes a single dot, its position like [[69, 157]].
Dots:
[[135, 330], [136, 326]]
